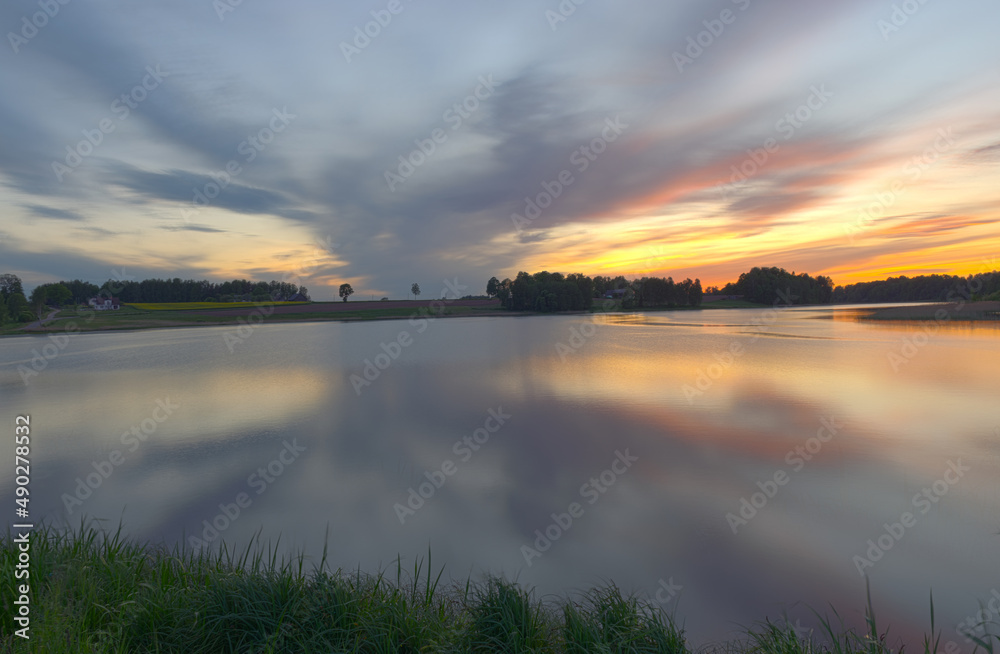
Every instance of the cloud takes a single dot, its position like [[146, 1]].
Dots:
[[555, 91], [52, 212], [193, 228], [179, 186], [931, 225]]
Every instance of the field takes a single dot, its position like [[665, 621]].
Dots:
[[185, 306], [190, 314]]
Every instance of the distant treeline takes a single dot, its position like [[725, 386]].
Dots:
[[548, 292], [650, 292], [924, 288], [778, 286], [181, 290], [543, 291]]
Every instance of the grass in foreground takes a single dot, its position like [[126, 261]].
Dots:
[[99, 592]]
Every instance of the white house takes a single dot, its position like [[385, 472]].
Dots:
[[104, 303]]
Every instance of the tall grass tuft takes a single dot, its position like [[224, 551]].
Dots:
[[780, 639], [505, 618], [605, 621]]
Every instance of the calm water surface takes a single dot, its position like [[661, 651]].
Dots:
[[708, 408]]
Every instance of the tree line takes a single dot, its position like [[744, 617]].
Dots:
[[552, 291], [185, 290], [923, 288], [543, 291], [15, 307], [778, 286]]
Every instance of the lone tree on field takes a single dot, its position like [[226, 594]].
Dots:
[[345, 290], [493, 287], [415, 289]]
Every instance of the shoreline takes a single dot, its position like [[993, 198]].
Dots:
[[141, 320], [979, 312], [134, 320]]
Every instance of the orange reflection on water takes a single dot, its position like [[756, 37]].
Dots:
[[893, 388]]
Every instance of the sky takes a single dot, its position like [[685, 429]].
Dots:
[[387, 142]]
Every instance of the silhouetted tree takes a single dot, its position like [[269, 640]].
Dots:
[[923, 288], [9, 285], [18, 308]]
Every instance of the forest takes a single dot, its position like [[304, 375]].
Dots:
[[546, 291], [549, 292], [15, 307], [763, 285], [923, 288], [185, 290]]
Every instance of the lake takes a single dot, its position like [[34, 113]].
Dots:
[[728, 464]]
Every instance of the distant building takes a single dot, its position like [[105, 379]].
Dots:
[[104, 303], [615, 293], [298, 297]]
